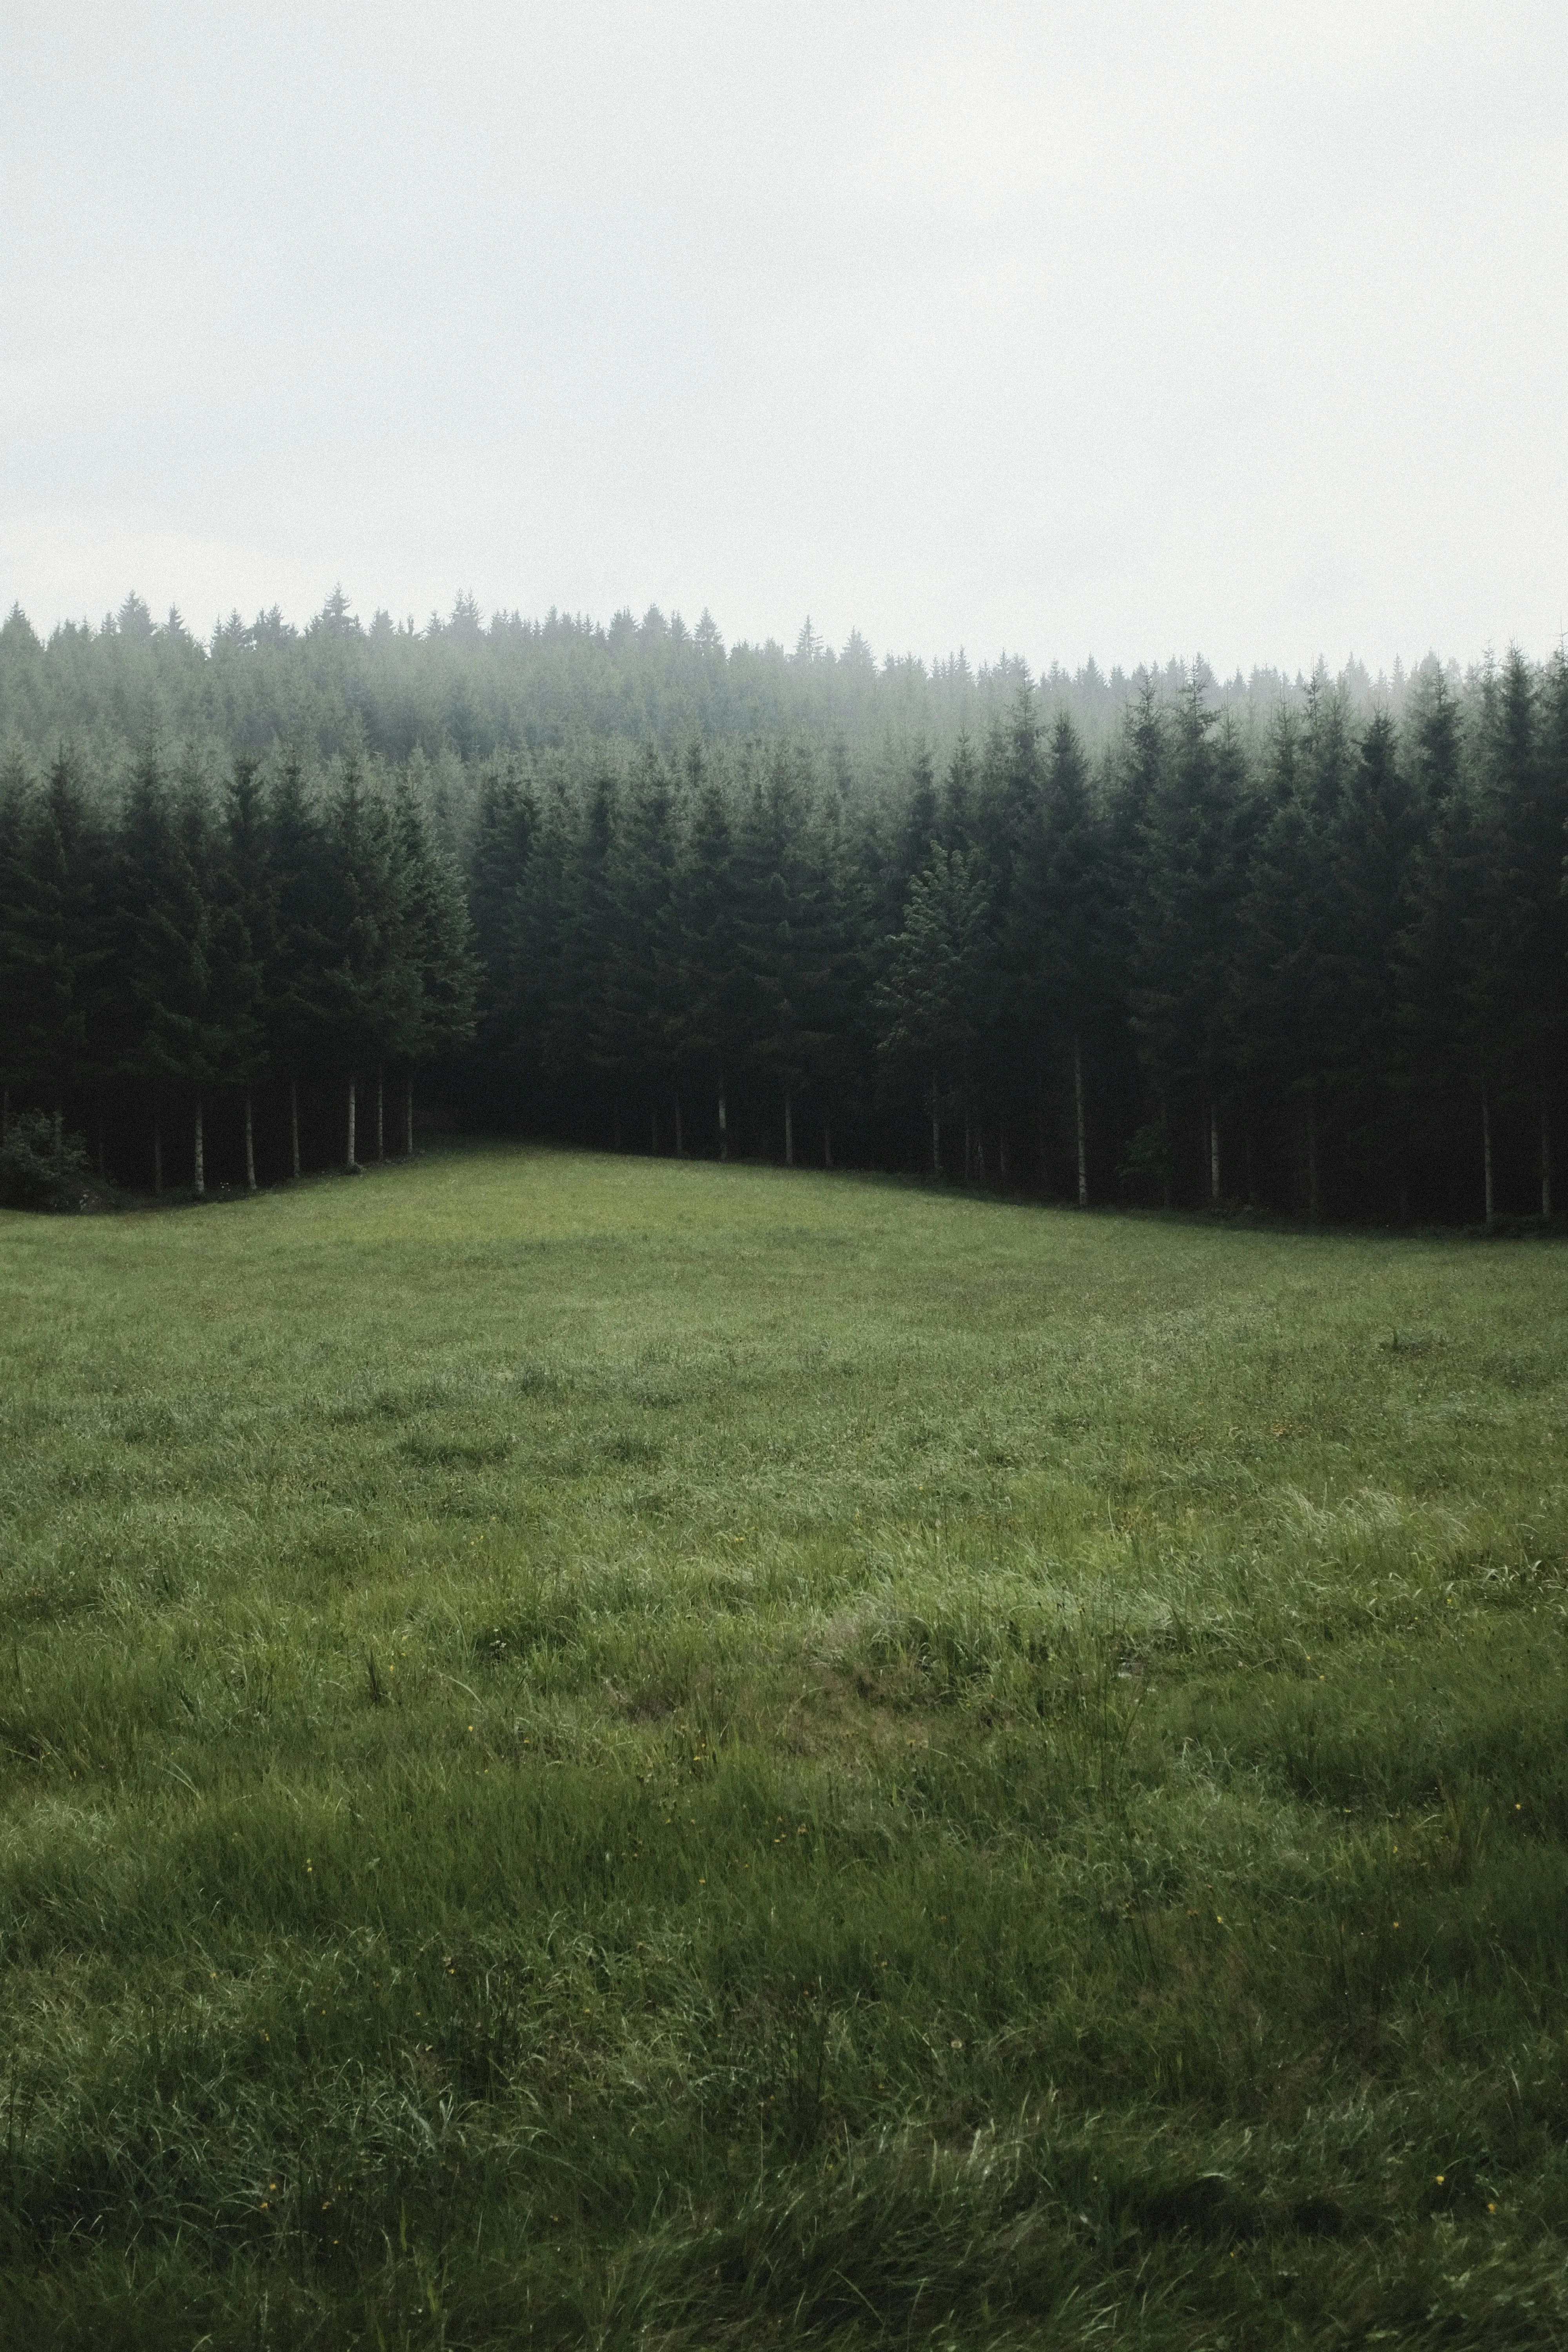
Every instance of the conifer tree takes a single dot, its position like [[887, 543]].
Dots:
[[1188, 919], [295, 947], [1059, 943], [713, 984], [433, 1013], [1521, 922], [54, 949], [934, 994], [783, 944]]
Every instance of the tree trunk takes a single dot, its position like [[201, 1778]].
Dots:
[[349, 1162], [1545, 1160], [680, 1132], [789, 1127], [1213, 1154], [723, 1121], [1486, 1150], [249, 1146], [1314, 1184], [198, 1155], [380, 1114], [294, 1126], [1079, 1117], [408, 1114], [157, 1153]]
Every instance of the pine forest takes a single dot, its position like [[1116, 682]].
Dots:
[[1293, 946]]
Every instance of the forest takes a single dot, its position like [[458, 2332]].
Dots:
[[1293, 947]]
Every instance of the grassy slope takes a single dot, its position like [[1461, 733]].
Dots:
[[602, 1751]]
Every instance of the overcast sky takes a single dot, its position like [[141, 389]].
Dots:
[[1128, 330]]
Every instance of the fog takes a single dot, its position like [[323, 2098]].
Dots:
[[1128, 331]]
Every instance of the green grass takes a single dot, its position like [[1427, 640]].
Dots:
[[613, 1753]]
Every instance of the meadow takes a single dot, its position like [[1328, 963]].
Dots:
[[619, 1752]]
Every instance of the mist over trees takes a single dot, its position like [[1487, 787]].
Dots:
[[1299, 944]]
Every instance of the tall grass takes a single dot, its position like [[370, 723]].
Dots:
[[621, 1753]]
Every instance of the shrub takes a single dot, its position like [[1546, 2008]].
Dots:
[[33, 1173], [1145, 1172]]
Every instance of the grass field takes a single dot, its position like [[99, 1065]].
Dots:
[[619, 1753]]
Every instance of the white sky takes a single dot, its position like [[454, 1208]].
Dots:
[[1118, 328]]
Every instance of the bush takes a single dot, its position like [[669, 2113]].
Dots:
[[1145, 1172], [33, 1174]]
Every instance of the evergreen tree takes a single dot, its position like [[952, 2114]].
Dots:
[[1521, 946], [53, 947], [714, 985], [1188, 920], [1059, 947], [783, 942], [432, 1016], [934, 994]]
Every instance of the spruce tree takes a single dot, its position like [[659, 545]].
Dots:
[[1188, 919], [54, 946], [713, 984], [934, 995]]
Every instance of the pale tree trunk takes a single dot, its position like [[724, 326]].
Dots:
[[680, 1132], [723, 1121], [1314, 1182], [1486, 1150], [1213, 1154], [408, 1114], [349, 1162], [249, 1145], [1079, 1120], [157, 1153], [789, 1127], [198, 1154], [1545, 1160], [294, 1126], [827, 1147], [379, 1113]]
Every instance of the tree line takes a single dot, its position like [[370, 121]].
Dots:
[[462, 688], [1321, 969]]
